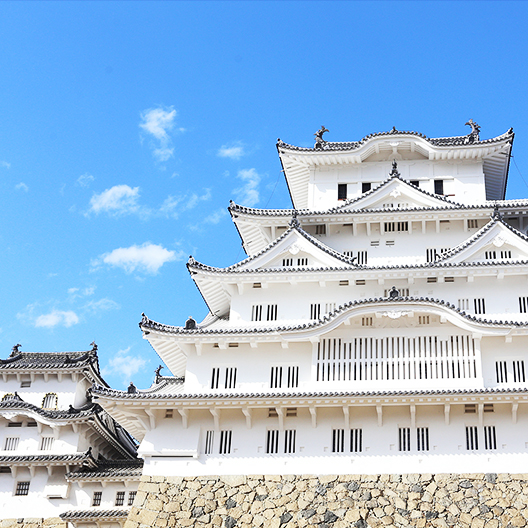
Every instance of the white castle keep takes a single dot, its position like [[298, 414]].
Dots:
[[380, 326]]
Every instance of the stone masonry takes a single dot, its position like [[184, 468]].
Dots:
[[33, 522], [330, 501]]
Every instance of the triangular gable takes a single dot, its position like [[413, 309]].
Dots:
[[396, 193], [295, 249], [495, 242]]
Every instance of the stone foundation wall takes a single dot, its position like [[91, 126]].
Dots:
[[33, 522], [331, 501]]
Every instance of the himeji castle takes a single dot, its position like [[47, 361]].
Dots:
[[378, 326]]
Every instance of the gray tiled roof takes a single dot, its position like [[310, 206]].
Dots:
[[17, 403], [109, 469], [49, 360], [147, 324], [83, 515], [85, 458], [438, 142], [104, 391]]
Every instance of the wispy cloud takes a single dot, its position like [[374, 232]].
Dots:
[[102, 305], [5, 164], [174, 205], [215, 217], [116, 201], [248, 194], [124, 365], [21, 187], [57, 318], [233, 150], [158, 122], [147, 258], [84, 180]]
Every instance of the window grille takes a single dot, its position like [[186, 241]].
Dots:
[[366, 321], [320, 229], [46, 443], [272, 412], [343, 283], [432, 279], [361, 257], [422, 438], [96, 499], [396, 358], [31, 424], [131, 497], [374, 243], [338, 441], [501, 373], [302, 261], [289, 441], [361, 282], [342, 191], [490, 255], [330, 307], [315, 311], [49, 401], [120, 498], [14, 424], [257, 285], [488, 408], [348, 253], [209, 442], [389, 242], [5, 469], [356, 440], [463, 304], [169, 413], [365, 187], [25, 384], [230, 377], [490, 437], [291, 379], [432, 254], [11, 443], [396, 226], [472, 224], [423, 319], [272, 441], [225, 442], [215, 377], [471, 438], [287, 262], [518, 371], [256, 312], [22, 488], [480, 306], [523, 304], [439, 187], [291, 412], [449, 279], [506, 254], [271, 313], [404, 439], [470, 408]]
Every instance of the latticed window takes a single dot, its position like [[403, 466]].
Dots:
[[96, 499], [50, 401], [338, 441], [422, 439], [284, 376], [289, 441], [22, 488], [490, 437], [131, 497], [356, 440], [209, 442], [11, 443], [523, 304], [404, 439], [339, 437], [471, 438], [315, 311], [120, 498], [225, 442], [341, 191], [518, 371], [46, 443], [480, 306], [501, 373], [272, 441], [228, 375]]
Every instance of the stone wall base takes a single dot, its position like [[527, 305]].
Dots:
[[332, 501], [33, 522]]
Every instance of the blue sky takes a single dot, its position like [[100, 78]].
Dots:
[[127, 127]]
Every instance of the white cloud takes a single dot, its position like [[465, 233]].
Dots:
[[174, 205], [118, 200], [55, 318], [101, 305], [124, 365], [147, 258], [22, 186], [234, 151], [248, 194], [85, 179], [158, 122], [215, 217], [5, 164]]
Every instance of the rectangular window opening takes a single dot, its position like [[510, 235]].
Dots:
[[404, 439], [225, 442], [96, 499], [120, 498], [209, 442], [342, 191], [22, 488]]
